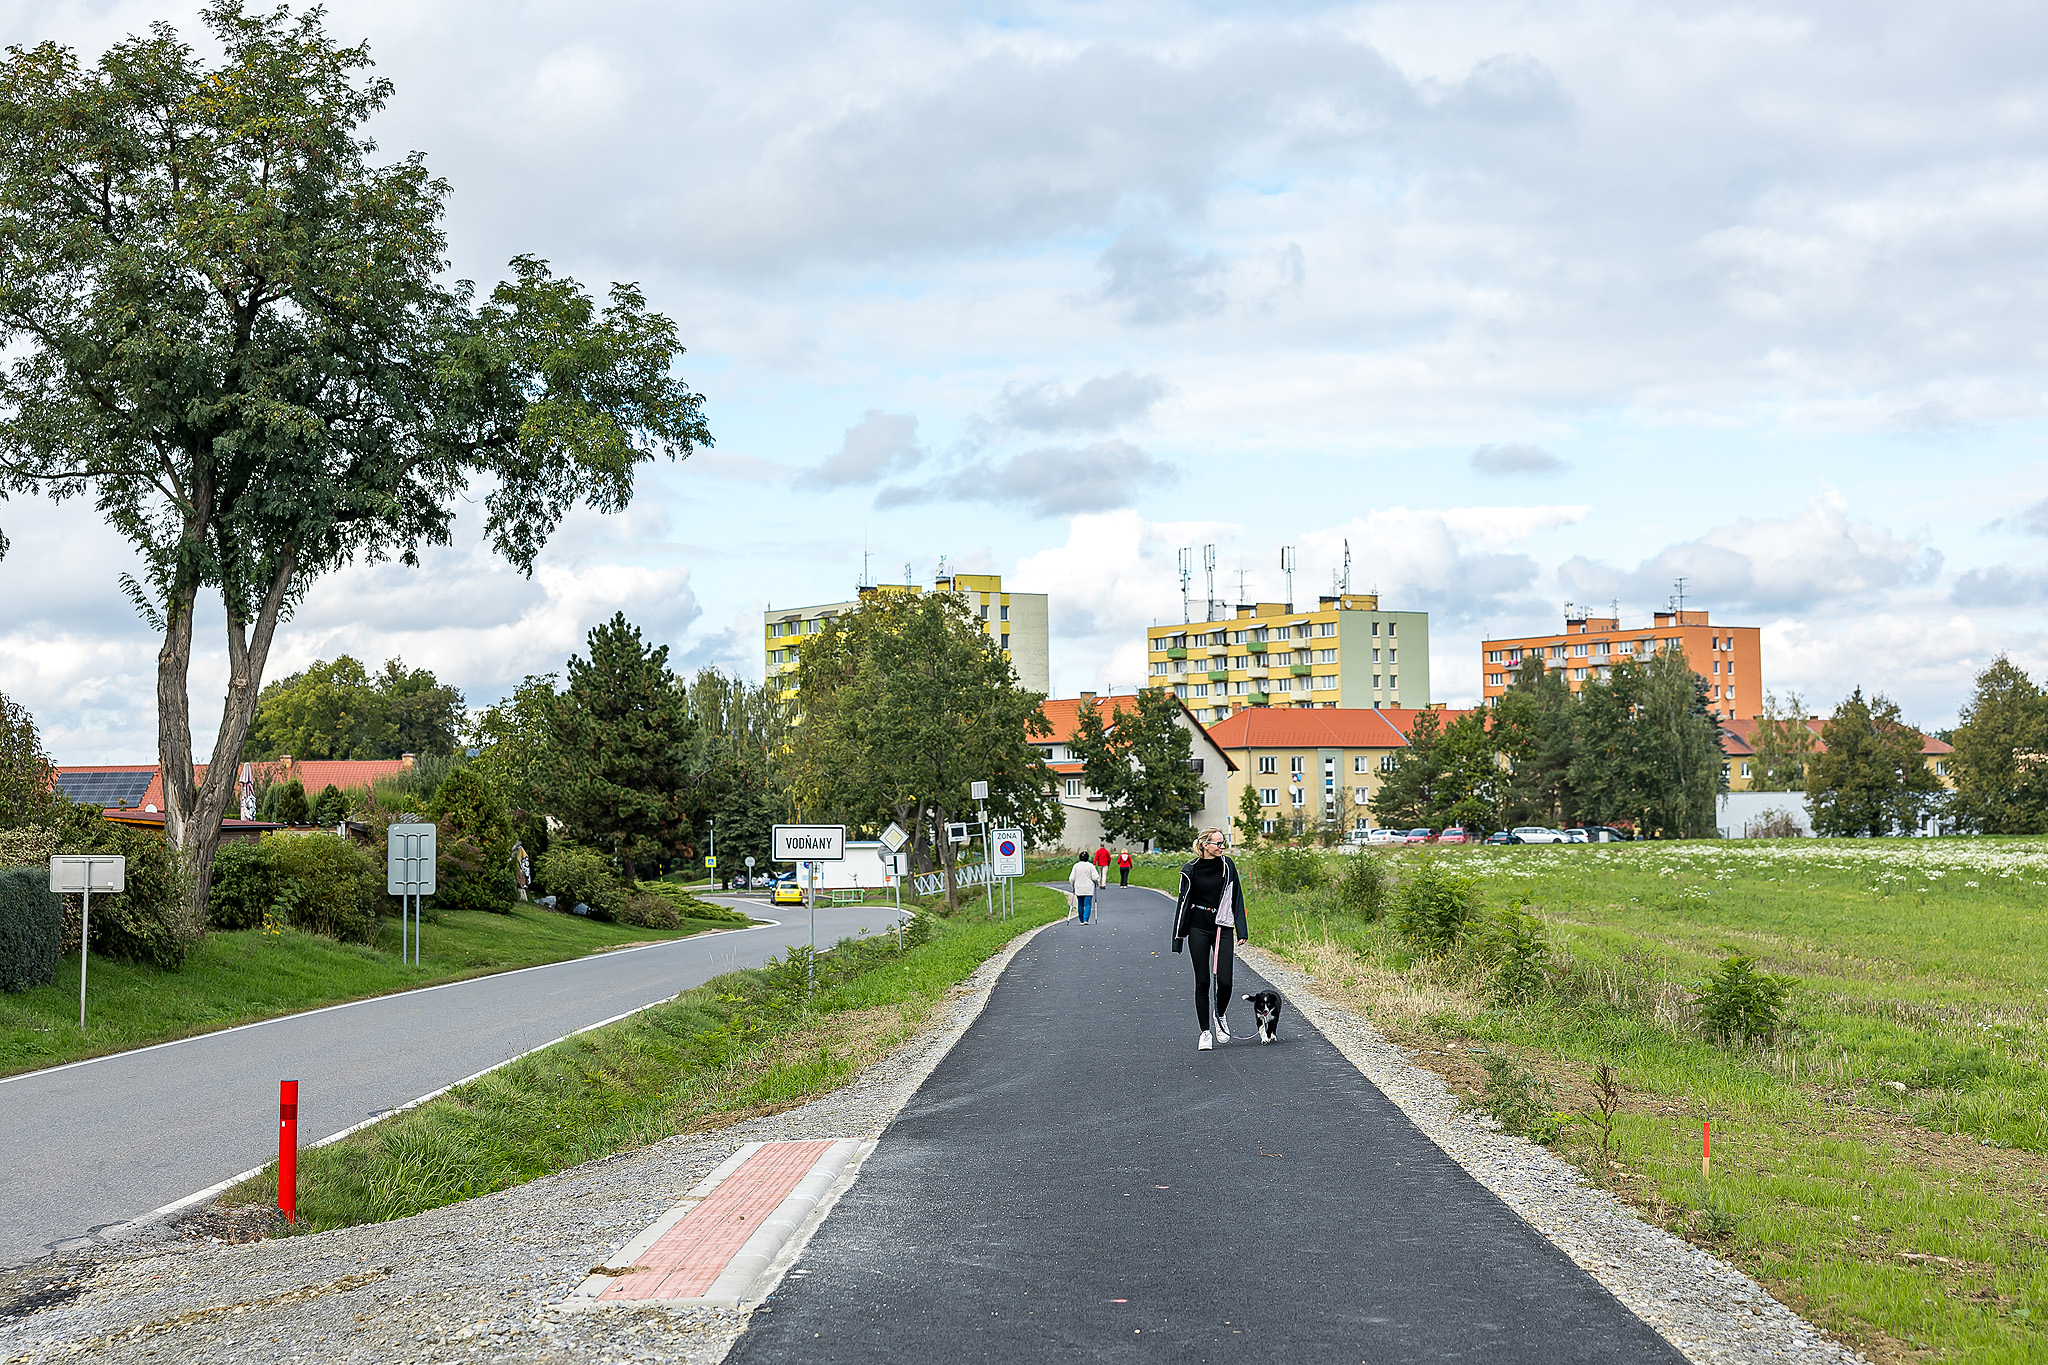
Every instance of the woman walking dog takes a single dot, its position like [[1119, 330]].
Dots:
[[1210, 919]]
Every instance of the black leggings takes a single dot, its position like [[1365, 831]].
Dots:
[[1213, 948]]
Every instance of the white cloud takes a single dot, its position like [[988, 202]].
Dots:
[[880, 444]]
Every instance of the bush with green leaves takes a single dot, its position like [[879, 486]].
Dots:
[[574, 874], [331, 807], [152, 922], [475, 833], [244, 886], [1362, 888], [1739, 1004], [1519, 1100], [327, 885], [1518, 945], [292, 807], [31, 928], [1435, 907], [1283, 870], [688, 906]]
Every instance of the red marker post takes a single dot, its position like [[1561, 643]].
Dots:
[[1706, 1148], [288, 1149]]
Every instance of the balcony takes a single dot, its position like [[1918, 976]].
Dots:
[[1218, 675], [1256, 671], [1258, 699], [1299, 670], [1176, 654], [1255, 646]]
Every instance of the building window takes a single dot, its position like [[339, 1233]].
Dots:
[[1326, 656], [1375, 628], [1941, 767], [1326, 628], [1300, 795], [1745, 770], [1392, 682], [1390, 657], [1180, 666], [1268, 763], [1729, 694], [1073, 786], [1375, 681], [1269, 796], [1361, 763], [1159, 668], [1268, 826], [1295, 764], [1579, 650], [1238, 689], [1006, 639], [1375, 656], [1181, 690], [1724, 772], [1327, 682], [1390, 627], [1496, 680], [1200, 689], [1386, 763], [1006, 613], [1361, 795]]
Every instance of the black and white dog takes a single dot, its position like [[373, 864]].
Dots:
[[1266, 1013]]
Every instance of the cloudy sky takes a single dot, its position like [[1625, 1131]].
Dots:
[[1529, 304]]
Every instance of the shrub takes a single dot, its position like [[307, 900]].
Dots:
[[1282, 870], [152, 921], [1436, 907], [28, 846], [332, 806], [31, 928], [475, 834], [291, 804], [573, 874], [326, 885], [1362, 888], [1739, 1004], [1519, 946], [1521, 1102], [649, 912], [244, 884], [688, 906], [1772, 824]]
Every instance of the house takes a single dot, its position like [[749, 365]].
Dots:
[[1311, 767], [1084, 808], [1738, 737], [133, 793], [1742, 809]]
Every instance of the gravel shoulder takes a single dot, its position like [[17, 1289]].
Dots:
[[483, 1280]]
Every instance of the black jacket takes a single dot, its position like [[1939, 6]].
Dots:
[[1232, 887]]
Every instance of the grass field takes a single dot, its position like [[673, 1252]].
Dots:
[[1881, 1164], [750, 1042], [239, 977]]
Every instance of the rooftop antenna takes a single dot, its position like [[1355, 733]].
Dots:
[[1187, 573], [1287, 571], [1678, 597], [1240, 583], [1209, 578], [907, 580], [1344, 583], [941, 570]]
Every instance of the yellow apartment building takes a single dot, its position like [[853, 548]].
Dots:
[[1015, 622], [1346, 653], [1730, 658], [1314, 765]]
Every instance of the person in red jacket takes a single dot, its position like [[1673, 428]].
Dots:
[[1123, 868], [1101, 862]]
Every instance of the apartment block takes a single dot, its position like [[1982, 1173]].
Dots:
[[1730, 658], [1015, 622], [1346, 652], [1316, 766]]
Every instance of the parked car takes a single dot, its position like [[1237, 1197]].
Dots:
[[1502, 836], [1576, 836], [1607, 834], [1537, 834], [1453, 835], [1357, 836], [1417, 836], [788, 891], [1385, 836]]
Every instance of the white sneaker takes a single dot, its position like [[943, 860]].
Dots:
[[1222, 1030], [1203, 1044]]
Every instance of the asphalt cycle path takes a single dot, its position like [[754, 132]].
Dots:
[[1075, 1181], [94, 1144]]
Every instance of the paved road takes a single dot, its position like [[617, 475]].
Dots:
[[97, 1143], [1076, 1181]]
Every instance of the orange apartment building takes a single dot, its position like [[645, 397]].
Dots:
[[1730, 658]]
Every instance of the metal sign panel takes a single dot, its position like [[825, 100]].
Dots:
[[813, 843], [959, 834], [1009, 852], [710, 862], [895, 837], [73, 872], [409, 860]]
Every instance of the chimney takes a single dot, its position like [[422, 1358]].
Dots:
[[405, 761], [284, 767], [1087, 699]]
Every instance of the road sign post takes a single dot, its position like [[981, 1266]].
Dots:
[[1007, 861], [85, 874], [807, 846], [409, 872]]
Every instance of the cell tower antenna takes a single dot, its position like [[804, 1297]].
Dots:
[[1209, 581], [1240, 583], [1187, 573], [1344, 583], [1678, 597], [906, 573], [1287, 572]]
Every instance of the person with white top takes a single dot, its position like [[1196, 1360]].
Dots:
[[1210, 918], [1085, 881]]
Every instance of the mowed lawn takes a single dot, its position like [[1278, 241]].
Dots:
[[1881, 1165], [242, 976]]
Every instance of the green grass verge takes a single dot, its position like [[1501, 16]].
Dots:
[[247, 975], [746, 1043], [1878, 1163]]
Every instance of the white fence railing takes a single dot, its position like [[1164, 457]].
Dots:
[[931, 883]]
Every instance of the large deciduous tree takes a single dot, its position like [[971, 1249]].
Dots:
[[1532, 725], [226, 323], [1782, 746], [1142, 765], [2000, 764], [742, 729], [903, 704], [1872, 777], [1646, 750], [620, 743], [338, 710]]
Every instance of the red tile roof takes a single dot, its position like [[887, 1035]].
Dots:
[[1738, 739], [1063, 714], [350, 774], [1322, 727]]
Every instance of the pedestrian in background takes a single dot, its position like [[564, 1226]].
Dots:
[[1123, 868], [1084, 879], [1102, 864], [1209, 918]]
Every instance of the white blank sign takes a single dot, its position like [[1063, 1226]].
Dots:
[[69, 873], [409, 860]]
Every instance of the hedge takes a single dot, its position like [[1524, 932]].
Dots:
[[31, 928], [320, 883]]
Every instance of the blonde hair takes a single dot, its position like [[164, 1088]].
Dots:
[[1217, 832]]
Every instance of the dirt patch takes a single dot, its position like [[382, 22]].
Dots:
[[231, 1225]]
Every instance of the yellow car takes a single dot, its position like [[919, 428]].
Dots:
[[787, 893]]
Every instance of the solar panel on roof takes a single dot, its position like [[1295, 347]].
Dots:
[[106, 789]]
